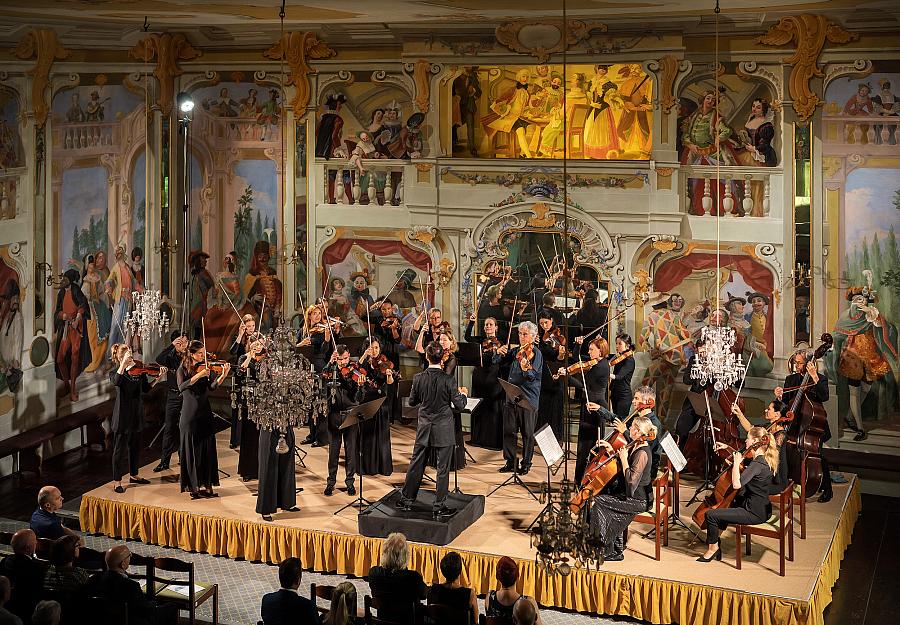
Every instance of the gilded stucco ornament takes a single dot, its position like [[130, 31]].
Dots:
[[541, 38], [43, 44], [296, 48], [168, 49]]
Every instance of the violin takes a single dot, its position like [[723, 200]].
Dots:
[[390, 321], [724, 493], [353, 372], [490, 344], [139, 368], [217, 366], [525, 355], [383, 364], [554, 338], [614, 360], [579, 367], [443, 328], [602, 468]]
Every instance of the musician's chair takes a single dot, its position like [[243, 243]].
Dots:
[[780, 526], [659, 515]]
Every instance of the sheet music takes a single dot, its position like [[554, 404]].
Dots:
[[673, 453], [471, 403], [549, 446]]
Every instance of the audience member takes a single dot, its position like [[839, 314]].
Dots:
[[113, 584], [285, 606], [44, 521], [452, 593], [63, 578], [46, 613], [397, 588], [25, 573], [6, 617], [501, 602], [344, 607], [525, 612]]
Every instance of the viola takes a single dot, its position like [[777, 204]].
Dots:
[[614, 360], [724, 493], [353, 372], [383, 364], [602, 468], [525, 356], [140, 368], [554, 338]]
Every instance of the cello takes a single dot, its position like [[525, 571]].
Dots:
[[602, 468], [724, 492], [807, 420]]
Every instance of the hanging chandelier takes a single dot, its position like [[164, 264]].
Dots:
[[146, 319], [562, 537], [286, 388]]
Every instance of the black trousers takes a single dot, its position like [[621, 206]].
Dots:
[[171, 437], [718, 520], [350, 438], [517, 419], [685, 423], [235, 438], [417, 470], [126, 454], [319, 431], [588, 425]]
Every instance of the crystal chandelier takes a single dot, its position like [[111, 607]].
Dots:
[[562, 536], [145, 318], [716, 362], [286, 388]]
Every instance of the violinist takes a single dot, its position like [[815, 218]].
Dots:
[[170, 358], [622, 363], [348, 381], [643, 405], [444, 337], [774, 416], [388, 329], [588, 318], [593, 385], [612, 512], [491, 306], [751, 506], [799, 365], [247, 430], [487, 422], [375, 434], [321, 337], [430, 332], [197, 453], [548, 306], [525, 371], [127, 419], [552, 346]]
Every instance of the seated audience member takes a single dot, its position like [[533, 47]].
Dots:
[[395, 586], [452, 593], [525, 612], [46, 613], [44, 521], [25, 574], [501, 602], [113, 584], [6, 617], [63, 578], [285, 606], [343, 606]]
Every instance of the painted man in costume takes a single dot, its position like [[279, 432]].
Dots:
[[119, 287], [665, 336], [73, 351]]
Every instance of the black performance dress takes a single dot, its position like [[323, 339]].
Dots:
[[591, 425], [197, 452], [277, 481], [375, 433], [613, 512], [552, 400], [127, 422], [620, 394], [487, 418], [248, 457]]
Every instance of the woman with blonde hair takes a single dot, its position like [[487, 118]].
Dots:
[[320, 338], [391, 582], [343, 606], [751, 506]]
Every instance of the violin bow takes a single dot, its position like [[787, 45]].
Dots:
[[737, 395], [512, 322], [324, 304], [712, 429], [609, 321], [381, 300], [205, 353], [225, 291]]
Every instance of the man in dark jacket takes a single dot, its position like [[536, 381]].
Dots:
[[25, 573], [113, 584], [344, 394], [433, 391], [285, 606], [170, 358]]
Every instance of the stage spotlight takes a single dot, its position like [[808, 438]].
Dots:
[[185, 102]]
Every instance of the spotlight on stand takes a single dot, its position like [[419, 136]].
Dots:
[[185, 102]]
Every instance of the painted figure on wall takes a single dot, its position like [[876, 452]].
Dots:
[[11, 152], [507, 114], [667, 339], [93, 285], [228, 284], [860, 103], [600, 133], [330, 127], [72, 353], [94, 110], [201, 284], [262, 283], [636, 122], [119, 287], [468, 90], [701, 132], [11, 328]]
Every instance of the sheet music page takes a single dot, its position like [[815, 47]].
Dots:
[[673, 453], [549, 446]]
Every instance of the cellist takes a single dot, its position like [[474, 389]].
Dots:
[[818, 392], [611, 513], [644, 405], [752, 505]]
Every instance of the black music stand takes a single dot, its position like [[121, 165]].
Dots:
[[707, 422], [465, 450], [516, 396], [552, 469], [355, 416]]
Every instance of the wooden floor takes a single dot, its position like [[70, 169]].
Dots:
[[862, 595]]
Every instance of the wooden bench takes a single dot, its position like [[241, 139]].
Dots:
[[24, 446]]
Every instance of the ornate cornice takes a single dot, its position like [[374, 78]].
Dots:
[[296, 48], [45, 45], [533, 36], [168, 49], [809, 32]]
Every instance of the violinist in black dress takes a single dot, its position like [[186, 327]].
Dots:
[[591, 377], [487, 418], [197, 453], [551, 404], [347, 382], [799, 366], [388, 330], [375, 433], [170, 358], [321, 337], [586, 321], [127, 419], [248, 431], [622, 363], [751, 506]]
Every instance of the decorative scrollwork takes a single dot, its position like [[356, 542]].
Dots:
[[534, 37], [751, 69], [857, 69], [46, 47], [296, 48], [168, 49]]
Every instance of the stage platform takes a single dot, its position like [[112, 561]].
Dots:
[[675, 589]]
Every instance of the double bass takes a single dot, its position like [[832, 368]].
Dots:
[[807, 420], [699, 442]]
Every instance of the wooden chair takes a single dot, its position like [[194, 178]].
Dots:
[[370, 603], [800, 497], [137, 561], [658, 517], [198, 592], [577, 116], [437, 614], [90, 559], [6, 538], [44, 548], [320, 591], [781, 528]]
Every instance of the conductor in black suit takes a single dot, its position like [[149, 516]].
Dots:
[[433, 391], [285, 606], [113, 584]]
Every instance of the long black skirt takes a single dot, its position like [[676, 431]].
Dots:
[[487, 418], [277, 481], [551, 407], [248, 458], [198, 459], [375, 433], [610, 515]]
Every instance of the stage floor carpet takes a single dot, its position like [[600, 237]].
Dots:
[[675, 589]]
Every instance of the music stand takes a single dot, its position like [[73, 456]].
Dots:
[[701, 405], [516, 396], [552, 454], [357, 415], [471, 405], [677, 462]]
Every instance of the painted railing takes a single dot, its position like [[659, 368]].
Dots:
[[863, 130], [371, 181], [738, 191], [89, 137]]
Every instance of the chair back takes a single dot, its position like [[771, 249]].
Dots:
[[90, 559], [321, 591], [104, 611], [370, 603], [137, 560], [6, 538], [437, 614], [44, 548], [174, 565]]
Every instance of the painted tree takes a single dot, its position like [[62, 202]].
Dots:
[[140, 229], [243, 233]]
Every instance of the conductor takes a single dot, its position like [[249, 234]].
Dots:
[[433, 391]]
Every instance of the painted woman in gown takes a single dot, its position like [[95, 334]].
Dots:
[[101, 312], [600, 136]]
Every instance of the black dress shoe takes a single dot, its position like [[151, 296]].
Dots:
[[316, 444], [308, 440], [506, 468], [196, 496], [826, 496], [291, 509], [860, 435], [351, 490], [329, 491], [138, 480], [267, 517], [716, 556], [119, 489], [403, 504], [524, 469], [443, 511], [614, 557], [160, 467], [208, 494]]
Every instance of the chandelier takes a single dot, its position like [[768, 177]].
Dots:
[[562, 536], [286, 388], [716, 362], [145, 318]]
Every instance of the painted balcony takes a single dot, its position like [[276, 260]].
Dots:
[[742, 192], [87, 138], [371, 182]]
